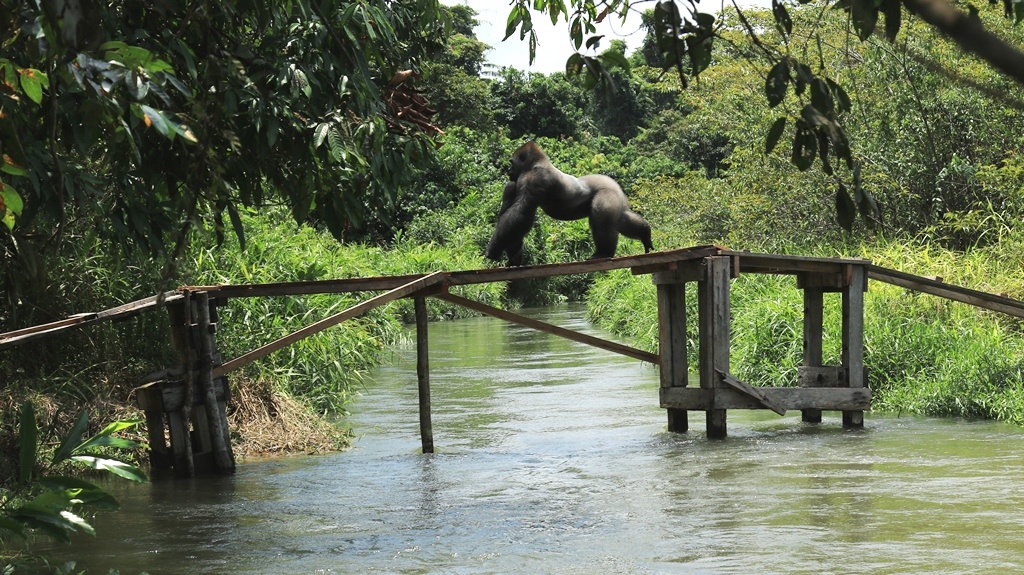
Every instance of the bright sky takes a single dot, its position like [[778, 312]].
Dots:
[[553, 43]]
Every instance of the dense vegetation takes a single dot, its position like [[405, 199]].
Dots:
[[937, 138]]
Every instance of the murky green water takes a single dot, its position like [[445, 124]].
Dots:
[[553, 458]]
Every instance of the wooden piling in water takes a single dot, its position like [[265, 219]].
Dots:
[[423, 374], [190, 399]]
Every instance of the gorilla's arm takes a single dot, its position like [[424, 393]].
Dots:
[[518, 212]]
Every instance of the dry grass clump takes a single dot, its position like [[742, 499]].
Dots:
[[264, 421]]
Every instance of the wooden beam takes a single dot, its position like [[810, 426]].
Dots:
[[754, 392], [789, 398], [956, 293], [467, 277], [552, 329], [20, 336], [356, 310]]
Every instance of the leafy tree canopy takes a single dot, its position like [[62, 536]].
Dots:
[[144, 119]]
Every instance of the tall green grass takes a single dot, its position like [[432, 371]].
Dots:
[[322, 370], [925, 355]]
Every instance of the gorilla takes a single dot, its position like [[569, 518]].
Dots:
[[535, 182]]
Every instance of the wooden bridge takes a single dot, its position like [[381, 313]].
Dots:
[[189, 399]]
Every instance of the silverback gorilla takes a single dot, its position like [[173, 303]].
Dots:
[[535, 182]]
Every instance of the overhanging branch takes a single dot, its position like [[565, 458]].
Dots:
[[971, 35]]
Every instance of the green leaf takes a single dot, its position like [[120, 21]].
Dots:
[[845, 210], [613, 59], [11, 199], [774, 133], [73, 439], [32, 83], [574, 65], [114, 466], [8, 166], [157, 120], [777, 82], [515, 17], [27, 433]]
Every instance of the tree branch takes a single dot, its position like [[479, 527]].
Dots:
[[971, 35]]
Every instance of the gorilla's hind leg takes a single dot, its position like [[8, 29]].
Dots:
[[633, 226]]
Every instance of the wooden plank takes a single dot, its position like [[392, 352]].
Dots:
[[25, 335], [466, 277], [754, 392], [751, 262], [821, 376], [956, 293], [423, 375], [684, 272], [356, 310], [789, 398], [218, 429], [552, 329]]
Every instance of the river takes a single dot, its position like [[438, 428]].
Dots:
[[552, 457]]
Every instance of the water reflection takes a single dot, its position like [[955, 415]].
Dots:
[[553, 458]]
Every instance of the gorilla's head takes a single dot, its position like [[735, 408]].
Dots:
[[524, 158]]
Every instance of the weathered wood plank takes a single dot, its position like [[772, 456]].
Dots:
[[799, 398], [814, 311], [356, 310], [821, 376], [457, 277], [754, 392], [25, 335], [956, 293], [552, 329], [751, 262]]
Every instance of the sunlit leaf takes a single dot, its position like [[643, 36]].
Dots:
[[32, 84], [8, 166], [114, 466], [73, 439]]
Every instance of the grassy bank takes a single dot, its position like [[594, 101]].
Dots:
[[925, 355]]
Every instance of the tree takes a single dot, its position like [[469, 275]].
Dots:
[[535, 105], [685, 39], [452, 79], [144, 120]]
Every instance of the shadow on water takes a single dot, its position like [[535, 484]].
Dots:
[[553, 458]]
